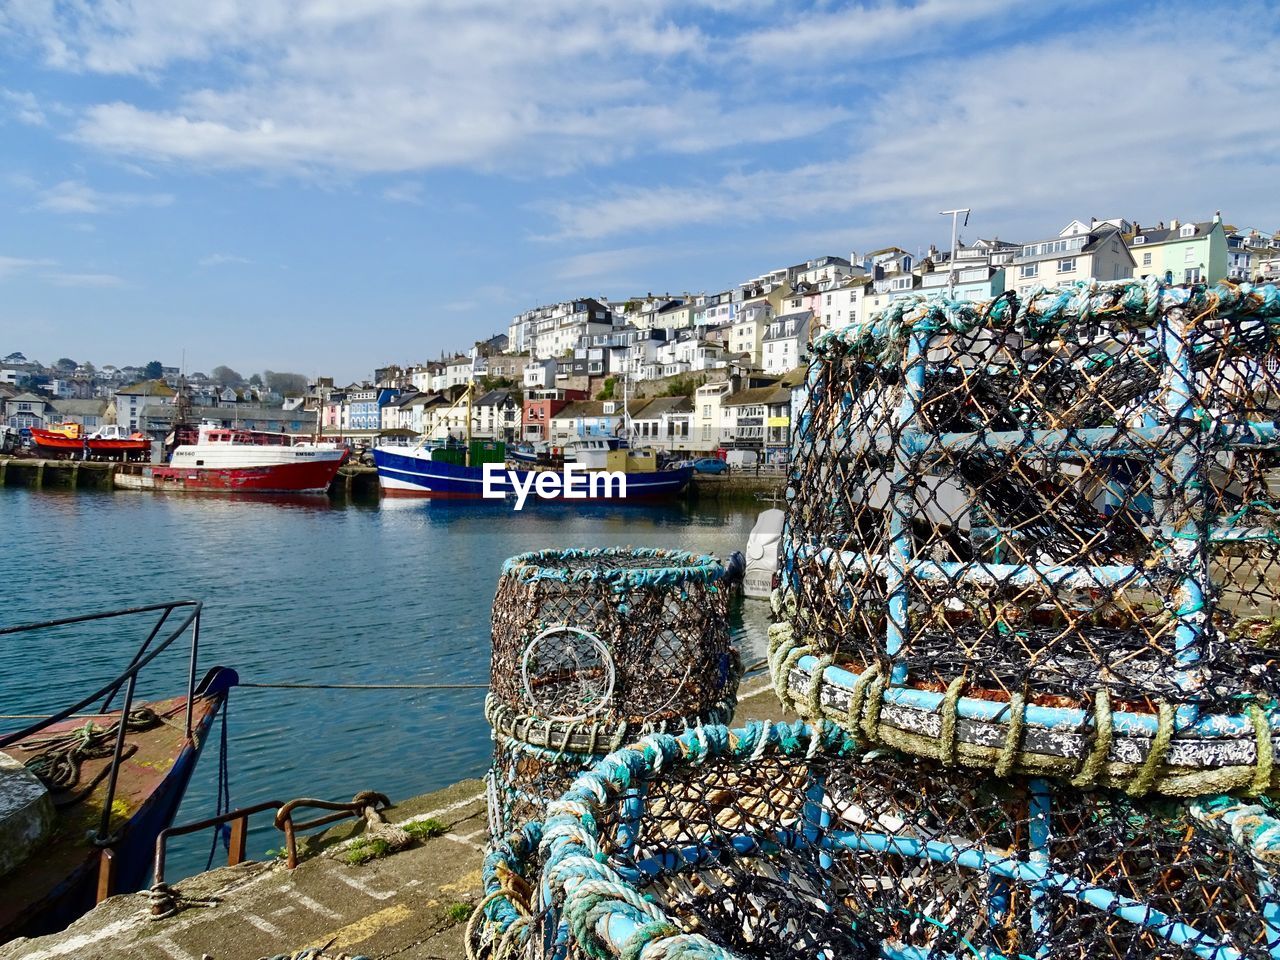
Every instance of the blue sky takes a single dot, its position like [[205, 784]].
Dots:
[[329, 185]]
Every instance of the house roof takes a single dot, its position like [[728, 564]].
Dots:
[[148, 388], [425, 400], [1169, 234], [659, 406], [91, 408], [595, 408], [496, 398], [876, 253], [746, 397]]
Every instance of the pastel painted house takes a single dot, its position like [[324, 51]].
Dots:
[[1093, 251], [1181, 252]]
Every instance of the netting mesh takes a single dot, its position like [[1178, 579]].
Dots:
[[611, 635], [762, 843], [591, 649], [1050, 498]]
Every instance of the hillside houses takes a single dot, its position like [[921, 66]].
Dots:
[[730, 353]]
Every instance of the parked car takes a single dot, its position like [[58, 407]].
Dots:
[[710, 465]]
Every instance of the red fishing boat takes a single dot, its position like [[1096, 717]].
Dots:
[[85, 792], [235, 460], [110, 440]]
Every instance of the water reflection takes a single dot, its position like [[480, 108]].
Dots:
[[301, 589]]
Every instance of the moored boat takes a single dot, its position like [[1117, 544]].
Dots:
[[85, 792], [110, 440], [444, 472], [237, 460]]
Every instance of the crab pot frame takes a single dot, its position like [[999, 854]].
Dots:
[[787, 842], [611, 635], [535, 760], [1055, 517], [591, 650]]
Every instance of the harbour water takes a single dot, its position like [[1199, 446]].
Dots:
[[305, 590]]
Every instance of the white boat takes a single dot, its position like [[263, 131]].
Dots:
[[762, 554], [232, 459]]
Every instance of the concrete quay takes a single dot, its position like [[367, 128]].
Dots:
[[410, 905]]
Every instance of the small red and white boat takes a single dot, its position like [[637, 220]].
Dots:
[[110, 440], [231, 459]]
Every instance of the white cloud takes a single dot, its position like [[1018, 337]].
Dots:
[[392, 86], [1116, 122], [10, 266], [622, 265], [21, 106], [878, 30], [221, 259], [45, 270], [406, 192], [76, 196]]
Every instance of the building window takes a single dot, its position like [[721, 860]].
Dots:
[[1146, 259], [1189, 255], [1029, 269], [1067, 265], [1191, 276]]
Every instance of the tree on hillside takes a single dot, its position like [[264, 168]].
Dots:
[[285, 384], [226, 377], [153, 370], [255, 379], [64, 363]]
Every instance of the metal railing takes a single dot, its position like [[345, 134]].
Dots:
[[187, 616]]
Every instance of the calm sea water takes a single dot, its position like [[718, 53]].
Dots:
[[304, 590]]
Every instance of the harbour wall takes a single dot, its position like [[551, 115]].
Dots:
[[354, 480]]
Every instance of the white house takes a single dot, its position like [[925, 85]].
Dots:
[[539, 375], [707, 422], [747, 332], [785, 341], [496, 416]]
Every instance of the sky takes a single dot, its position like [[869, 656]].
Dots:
[[326, 186]]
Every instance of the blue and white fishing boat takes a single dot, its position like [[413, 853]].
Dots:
[[433, 471], [477, 469]]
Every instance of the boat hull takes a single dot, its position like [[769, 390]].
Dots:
[[34, 905], [305, 476], [60, 443], [407, 474]]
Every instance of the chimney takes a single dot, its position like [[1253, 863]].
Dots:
[[1217, 216], [1173, 224]]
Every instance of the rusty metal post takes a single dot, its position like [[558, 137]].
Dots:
[[290, 845], [239, 835], [106, 873]]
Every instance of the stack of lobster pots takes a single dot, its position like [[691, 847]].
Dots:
[[593, 649]]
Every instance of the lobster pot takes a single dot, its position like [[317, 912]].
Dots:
[[525, 778], [787, 842], [610, 636], [1052, 498]]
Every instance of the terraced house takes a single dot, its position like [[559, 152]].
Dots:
[[1080, 251], [1181, 252]]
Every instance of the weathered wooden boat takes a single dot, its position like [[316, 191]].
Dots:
[[85, 792]]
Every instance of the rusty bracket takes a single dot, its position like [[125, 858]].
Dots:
[[363, 804], [239, 820]]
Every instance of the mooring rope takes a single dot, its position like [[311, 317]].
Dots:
[[366, 686]]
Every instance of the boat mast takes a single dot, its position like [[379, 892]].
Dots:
[[471, 384]]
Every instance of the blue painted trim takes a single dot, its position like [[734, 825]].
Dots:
[[1214, 726]]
